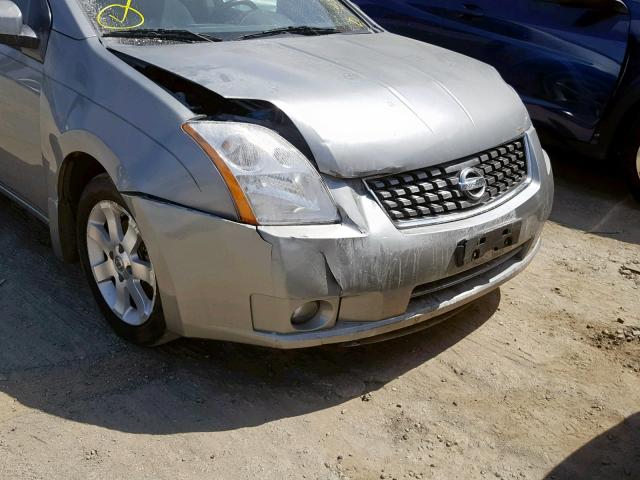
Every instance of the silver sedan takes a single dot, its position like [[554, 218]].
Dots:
[[275, 172]]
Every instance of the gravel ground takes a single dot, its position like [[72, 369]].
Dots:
[[540, 379]]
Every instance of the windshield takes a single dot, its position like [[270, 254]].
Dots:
[[223, 19]]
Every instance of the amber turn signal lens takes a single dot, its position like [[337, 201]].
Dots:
[[243, 207]]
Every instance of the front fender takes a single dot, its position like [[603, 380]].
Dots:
[[135, 162], [93, 102]]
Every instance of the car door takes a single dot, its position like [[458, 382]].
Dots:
[[21, 75], [564, 57], [572, 55]]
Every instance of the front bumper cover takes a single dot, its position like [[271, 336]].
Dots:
[[223, 280]]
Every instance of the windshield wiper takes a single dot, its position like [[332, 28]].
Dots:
[[163, 34], [301, 30]]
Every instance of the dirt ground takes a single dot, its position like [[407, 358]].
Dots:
[[540, 379]]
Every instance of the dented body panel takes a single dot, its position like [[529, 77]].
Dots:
[[236, 283], [366, 104]]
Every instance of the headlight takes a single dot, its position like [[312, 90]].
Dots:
[[271, 182]]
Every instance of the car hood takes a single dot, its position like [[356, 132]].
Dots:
[[366, 103]]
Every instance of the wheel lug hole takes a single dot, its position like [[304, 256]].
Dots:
[[129, 271], [120, 249], [120, 278]]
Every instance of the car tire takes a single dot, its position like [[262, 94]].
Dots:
[[117, 266], [631, 160]]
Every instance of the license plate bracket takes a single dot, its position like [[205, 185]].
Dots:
[[474, 249]]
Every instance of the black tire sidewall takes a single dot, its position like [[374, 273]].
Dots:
[[151, 332]]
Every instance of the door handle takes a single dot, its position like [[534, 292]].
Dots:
[[471, 11]]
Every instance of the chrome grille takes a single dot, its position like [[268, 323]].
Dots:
[[434, 192]]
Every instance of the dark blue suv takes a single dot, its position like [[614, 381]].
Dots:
[[575, 63]]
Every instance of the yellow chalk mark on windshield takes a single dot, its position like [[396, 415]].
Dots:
[[120, 17]]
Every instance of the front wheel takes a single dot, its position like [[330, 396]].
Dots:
[[117, 265]]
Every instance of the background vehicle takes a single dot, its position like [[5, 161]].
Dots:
[[575, 63]]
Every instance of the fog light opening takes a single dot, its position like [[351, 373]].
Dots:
[[305, 313]]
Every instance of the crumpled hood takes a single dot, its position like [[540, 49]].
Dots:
[[366, 103]]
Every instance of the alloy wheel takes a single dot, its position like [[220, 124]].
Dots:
[[120, 263]]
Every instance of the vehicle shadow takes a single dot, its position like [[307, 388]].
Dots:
[[57, 355], [613, 455], [592, 197]]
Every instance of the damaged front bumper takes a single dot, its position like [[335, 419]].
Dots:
[[224, 280]]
